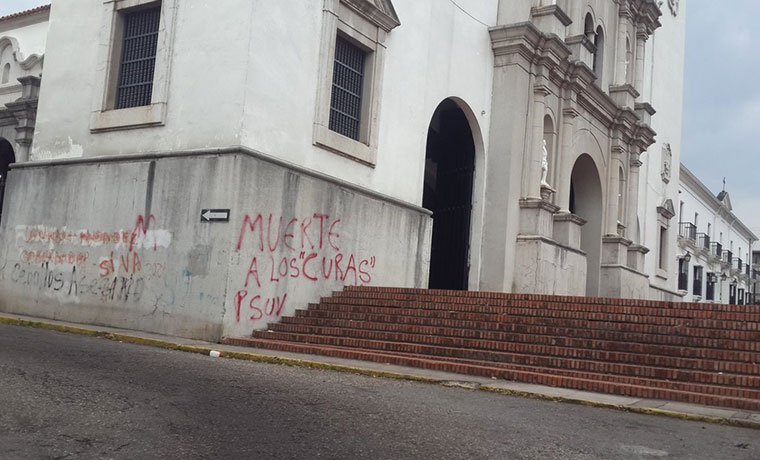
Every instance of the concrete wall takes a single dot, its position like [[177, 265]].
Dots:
[[129, 248]]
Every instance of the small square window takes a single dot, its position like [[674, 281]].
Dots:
[[347, 89], [138, 57]]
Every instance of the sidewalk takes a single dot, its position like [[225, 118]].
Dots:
[[645, 406]]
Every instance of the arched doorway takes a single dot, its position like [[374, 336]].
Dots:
[[449, 173], [586, 202], [7, 157]]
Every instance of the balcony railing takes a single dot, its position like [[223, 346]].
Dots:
[[728, 257], [716, 249], [703, 241], [687, 230]]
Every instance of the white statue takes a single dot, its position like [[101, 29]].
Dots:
[[544, 165]]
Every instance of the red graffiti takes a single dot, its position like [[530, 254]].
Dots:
[[54, 257], [314, 233], [289, 250], [141, 228], [123, 263], [259, 308]]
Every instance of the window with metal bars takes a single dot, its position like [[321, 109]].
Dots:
[[138, 57], [347, 86]]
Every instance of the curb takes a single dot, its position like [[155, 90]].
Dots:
[[292, 362]]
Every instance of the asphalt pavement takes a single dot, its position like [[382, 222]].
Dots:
[[69, 396]]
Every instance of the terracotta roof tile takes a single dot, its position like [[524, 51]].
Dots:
[[29, 12]]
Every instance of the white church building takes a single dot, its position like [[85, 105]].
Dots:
[[201, 176]]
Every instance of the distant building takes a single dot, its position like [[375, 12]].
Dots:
[[714, 246], [22, 48]]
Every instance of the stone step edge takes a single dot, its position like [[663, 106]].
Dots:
[[307, 313], [742, 326], [579, 309], [695, 398], [525, 296], [603, 345], [377, 346]]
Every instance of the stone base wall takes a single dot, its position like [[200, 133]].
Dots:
[[543, 266], [120, 242], [623, 282]]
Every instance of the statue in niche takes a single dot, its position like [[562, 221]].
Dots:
[[544, 165], [673, 4]]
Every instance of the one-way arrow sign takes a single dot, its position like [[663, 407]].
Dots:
[[215, 215]]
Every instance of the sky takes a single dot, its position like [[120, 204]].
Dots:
[[721, 136]]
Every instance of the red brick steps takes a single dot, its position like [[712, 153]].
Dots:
[[698, 353]]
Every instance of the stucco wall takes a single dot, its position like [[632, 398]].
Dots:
[[129, 248], [663, 88], [254, 82]]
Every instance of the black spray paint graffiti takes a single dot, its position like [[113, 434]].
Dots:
[[72, 284]]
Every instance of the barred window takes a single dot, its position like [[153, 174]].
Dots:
[[347, 86], [138, 58]]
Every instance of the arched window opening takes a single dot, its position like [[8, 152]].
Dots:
[[7, 157], [599, 53], [6, 73], [588, 27]]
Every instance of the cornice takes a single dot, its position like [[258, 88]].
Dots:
[[379, 12]]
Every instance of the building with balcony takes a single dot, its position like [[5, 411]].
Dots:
[[203, 177], [714, 246]]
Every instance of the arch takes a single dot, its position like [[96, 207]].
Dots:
[[7, 158], [448, 187], [599, 53], [588, 27], [587, 202]]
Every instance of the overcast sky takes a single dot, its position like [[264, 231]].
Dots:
[[722, 108]]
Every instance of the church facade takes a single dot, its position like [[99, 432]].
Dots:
[[205, 181]]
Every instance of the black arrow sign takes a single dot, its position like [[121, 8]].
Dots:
[[215, 215]]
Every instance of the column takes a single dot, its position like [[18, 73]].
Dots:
[[641, 39], [624, 20], [613, 185], [633, 196]]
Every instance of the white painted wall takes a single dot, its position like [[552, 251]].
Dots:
[[253, 82], [663, 88]]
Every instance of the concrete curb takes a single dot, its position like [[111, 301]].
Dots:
[[284, 361]]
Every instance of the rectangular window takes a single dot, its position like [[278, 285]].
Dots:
[[741, 296], [347, 89], [683, 275], [710, 291], [138, 57], [698, 280], [663, 248]]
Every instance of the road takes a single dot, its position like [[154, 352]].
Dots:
[[67, 396]]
